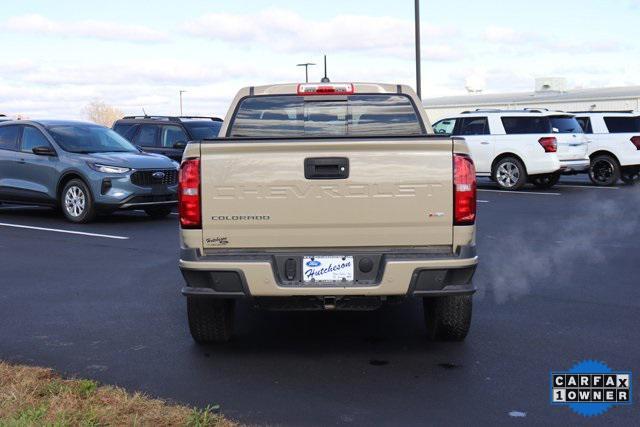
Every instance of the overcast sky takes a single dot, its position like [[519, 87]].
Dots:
[[58, 56]]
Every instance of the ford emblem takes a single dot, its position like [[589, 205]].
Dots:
[[158, 175], [314, 263]]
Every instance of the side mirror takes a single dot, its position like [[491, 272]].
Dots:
[[44, 151], [180, 145]]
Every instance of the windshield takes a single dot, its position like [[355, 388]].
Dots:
[[565, 124], [81, 138], [203, 130]]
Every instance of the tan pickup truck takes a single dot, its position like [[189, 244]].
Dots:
[[330, 196]]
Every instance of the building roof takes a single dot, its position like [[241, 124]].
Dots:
[[574, 95]]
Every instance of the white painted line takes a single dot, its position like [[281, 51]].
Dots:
[[520, 192], [81, 233], [588, 187], [483, 201]]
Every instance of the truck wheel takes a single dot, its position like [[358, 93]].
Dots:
[[210, 320], [546, 181], [604, 170], [448, 318], [509, 174], [158, 212], [76, 202]]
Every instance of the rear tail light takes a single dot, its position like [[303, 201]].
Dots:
[[326, 89], [550, 144], [464, 189], [636, 141], [189, 194]]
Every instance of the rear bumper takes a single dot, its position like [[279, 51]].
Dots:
[[398, 274], [569, 166]]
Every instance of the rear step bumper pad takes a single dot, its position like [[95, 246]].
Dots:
[[398, 275]]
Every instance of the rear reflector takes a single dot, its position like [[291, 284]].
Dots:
[[325, 89], [464, 190], [550, 144], [189, 194], [636, 141]]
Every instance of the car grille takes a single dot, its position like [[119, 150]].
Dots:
[[146, 178]]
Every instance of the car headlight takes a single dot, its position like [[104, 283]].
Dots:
[[108, 168], [176, 165]]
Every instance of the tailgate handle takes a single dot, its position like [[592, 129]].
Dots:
[[326, 168]]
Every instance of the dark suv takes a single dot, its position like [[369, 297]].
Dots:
[[165, 134]]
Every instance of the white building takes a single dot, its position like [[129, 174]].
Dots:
[[550, 93]]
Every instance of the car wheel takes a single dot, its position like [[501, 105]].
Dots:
[[604, 171], [448, 318], [546, 181], [509, 174], [210, 320], [76, 202], [158, 212]]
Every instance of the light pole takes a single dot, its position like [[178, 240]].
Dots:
[[181, 92], [306, 70], [418, 70]]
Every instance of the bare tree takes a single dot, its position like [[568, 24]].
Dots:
[[102, 113]]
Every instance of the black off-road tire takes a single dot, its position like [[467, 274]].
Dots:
[[546, 181], [158, 212], [510, 174], [448, 318], [210, 320], [604, 171], [88, 213]]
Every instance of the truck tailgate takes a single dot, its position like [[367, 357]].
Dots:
[[398, 193]]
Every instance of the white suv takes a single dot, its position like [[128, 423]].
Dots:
[[614, 146], [520, 146]]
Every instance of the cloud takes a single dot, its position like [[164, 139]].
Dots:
[[101, 30], [286, 31], [495, 34]]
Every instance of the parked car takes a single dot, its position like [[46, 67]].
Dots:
[[614, 147], [4, 118], [167, 135], [327, 196], [516, 146], [82, 168]]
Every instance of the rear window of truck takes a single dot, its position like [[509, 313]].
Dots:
[[623, 124], [297, 116]]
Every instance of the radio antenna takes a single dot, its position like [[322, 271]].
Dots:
[[325, 79]]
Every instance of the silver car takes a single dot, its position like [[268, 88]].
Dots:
[[84, 169]]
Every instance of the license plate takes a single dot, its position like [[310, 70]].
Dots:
[[327, 269], [159, 189]]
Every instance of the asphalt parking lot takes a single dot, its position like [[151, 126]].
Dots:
[[558, 283]]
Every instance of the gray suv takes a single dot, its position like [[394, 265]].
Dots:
[[84, 169]]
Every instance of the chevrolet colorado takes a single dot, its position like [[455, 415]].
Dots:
[[330, 196]]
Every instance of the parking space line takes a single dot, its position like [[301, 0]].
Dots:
[[520, 192], [483, 201], [56, 230], [588, 187]]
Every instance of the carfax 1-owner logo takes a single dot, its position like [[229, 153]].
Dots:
[[591, 388]]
